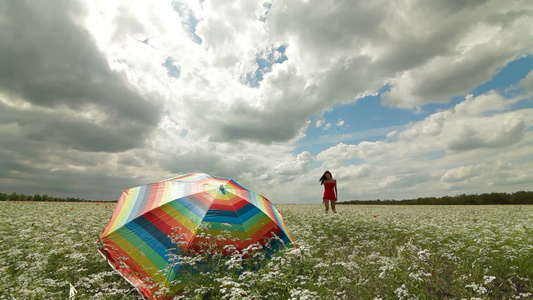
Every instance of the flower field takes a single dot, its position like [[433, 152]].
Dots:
[[364, 252]]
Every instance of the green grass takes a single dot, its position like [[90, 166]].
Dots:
[[364, 252]]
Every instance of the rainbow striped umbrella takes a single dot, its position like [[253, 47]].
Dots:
[[194, 213]]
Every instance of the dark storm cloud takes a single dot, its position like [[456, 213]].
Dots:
[[49, 60], [69, 131]]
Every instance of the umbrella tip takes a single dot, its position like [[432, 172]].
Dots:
[[221, 187]]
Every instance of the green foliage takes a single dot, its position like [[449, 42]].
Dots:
[[520, 197]]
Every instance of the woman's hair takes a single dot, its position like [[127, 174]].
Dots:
[[324, 177]]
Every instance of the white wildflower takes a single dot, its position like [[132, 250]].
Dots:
[[402, 292], [488, 279], [478, 288]]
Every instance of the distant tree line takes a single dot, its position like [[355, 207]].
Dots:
[[36, 197], [520, 197]]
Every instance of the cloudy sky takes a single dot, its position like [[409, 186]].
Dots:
[[398, 99]]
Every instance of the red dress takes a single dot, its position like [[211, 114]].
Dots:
[[329, 192]]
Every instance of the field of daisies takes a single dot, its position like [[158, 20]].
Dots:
[[49, 251]]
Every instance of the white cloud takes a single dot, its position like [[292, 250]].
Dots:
[[336, 156], [463, 148], [431, 126], [463, 173], [490, 102], [470, 45], [504, 131], [527, 82], [299, 166], [85, 92]]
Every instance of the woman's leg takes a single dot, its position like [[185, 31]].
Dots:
[[333, 206], [326, 203]]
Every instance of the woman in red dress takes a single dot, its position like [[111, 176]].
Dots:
[[330, 190]]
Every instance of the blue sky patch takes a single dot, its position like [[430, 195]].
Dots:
[[173, 70], [369, 120], [188, 20], [265, 60]]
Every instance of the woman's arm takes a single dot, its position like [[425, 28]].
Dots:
[[336, 193]]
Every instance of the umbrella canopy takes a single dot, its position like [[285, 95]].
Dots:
[[193, 213]]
